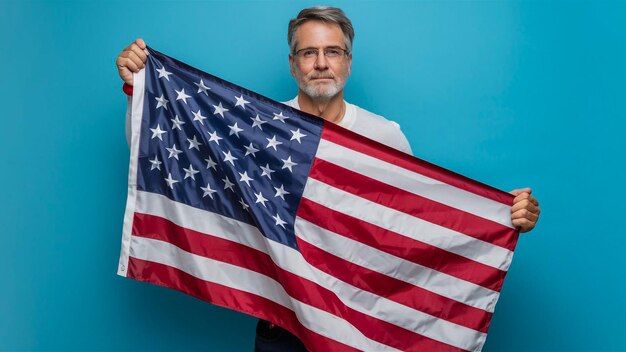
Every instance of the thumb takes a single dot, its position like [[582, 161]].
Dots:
[[517, 192], [126, 75]]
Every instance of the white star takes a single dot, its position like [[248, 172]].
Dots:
[[156, 164], [250, 149], [197, 116], [257, 122], [228, 184], [267, 171], [214, 137], [280, 192], [245, 178], [157, 132], [173, 152], [234, 129], [280, 117], [193, 143], [190, 172], [279, 222], [219, 109], [208, 191], [297, 135], [229, 157], [243, 204], [161, 101], [182, 96], [210, 164], [260, 199], [201, 87], [170, 181], [164, 73], [288, 164], [241, 102], [272, 143], [176, 123]]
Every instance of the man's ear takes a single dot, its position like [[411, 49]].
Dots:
[[349, 64], [292, 67]]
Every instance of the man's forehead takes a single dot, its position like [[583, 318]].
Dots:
[[319, 34]]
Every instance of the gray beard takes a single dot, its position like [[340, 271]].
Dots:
[[320, 94], [323, 95]]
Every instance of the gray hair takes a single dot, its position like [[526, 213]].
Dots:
[[325, 14]]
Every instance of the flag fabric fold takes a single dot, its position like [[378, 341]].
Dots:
[[349, 244]]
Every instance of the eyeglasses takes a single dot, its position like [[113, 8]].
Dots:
[[331, 53]]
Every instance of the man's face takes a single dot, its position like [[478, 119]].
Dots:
[[320, 77]]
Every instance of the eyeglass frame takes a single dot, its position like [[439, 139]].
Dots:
[[297, 53]]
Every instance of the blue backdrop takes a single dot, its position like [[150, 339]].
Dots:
[[510, 93]]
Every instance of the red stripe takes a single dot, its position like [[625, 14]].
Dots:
[[401, 246], [396, 290], [308, 292], [231, 298], [354, 141], [412, 204]]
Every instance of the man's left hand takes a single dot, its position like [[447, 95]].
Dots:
[[525, 210]]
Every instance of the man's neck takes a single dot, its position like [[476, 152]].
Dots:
[[331, 109]]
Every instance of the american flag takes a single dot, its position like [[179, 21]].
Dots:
[[351, 245]]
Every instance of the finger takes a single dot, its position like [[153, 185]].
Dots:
[[127, 77], [125, 74], [524, 214], [140, 43], [138, 51], [525, 196], [126, 63], [524, 225], [518, 191], [533, 200], [523, 221], [136, 59], [525, 204]]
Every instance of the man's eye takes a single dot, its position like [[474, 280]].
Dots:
[[309, 53], [332, 52]]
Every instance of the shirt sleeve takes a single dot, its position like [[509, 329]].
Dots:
[[400, 141], [380, 129]]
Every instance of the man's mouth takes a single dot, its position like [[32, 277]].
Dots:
[[321, 77]]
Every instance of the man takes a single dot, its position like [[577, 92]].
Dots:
[[320, 41]]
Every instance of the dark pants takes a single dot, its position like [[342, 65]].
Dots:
[[273, 338]]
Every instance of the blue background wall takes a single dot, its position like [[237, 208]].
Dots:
[[510, 93]]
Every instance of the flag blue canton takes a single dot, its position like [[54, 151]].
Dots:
[[213, 145]]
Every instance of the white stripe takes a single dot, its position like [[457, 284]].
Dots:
[[407, 225], [414, 183], [201, 220], [137, 113], [391, 265], [292, 261], [252, 282]]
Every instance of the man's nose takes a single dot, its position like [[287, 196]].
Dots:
[[321, 63]]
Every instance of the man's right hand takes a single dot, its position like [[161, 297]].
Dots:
[[130, 60]]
